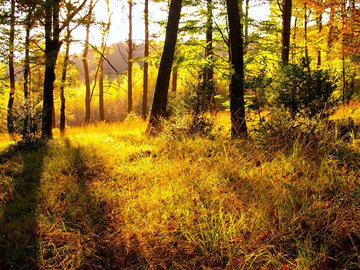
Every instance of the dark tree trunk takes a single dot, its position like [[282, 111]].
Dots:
[[237, 104], [146, 64], [208, 83], [52, 48], [319, 25], [63, 81], [174, 79], [286, 31], [307, 59], [10, 120], [167, 58], [28, 26], [130, 58], [86, 66]]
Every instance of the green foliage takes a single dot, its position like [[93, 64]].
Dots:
[[27, 118], [303, 91]]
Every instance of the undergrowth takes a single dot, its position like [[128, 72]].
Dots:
[[108, 197]]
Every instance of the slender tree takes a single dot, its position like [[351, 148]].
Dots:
[[146, 64], [10, 120], [130, 56], [63, 79], [105, 31], [208, 83], [86, 64], [320, 26], [28, 27], [167, 58], [237, 103]]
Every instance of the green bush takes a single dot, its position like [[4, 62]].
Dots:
[[303, 91]]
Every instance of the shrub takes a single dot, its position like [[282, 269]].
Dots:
[[27, 119], [304, 91]]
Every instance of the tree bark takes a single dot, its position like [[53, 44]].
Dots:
[[28, 26], [86, 66], [146, 63], [174, 79], [63, 81], [130, 58], [52, 48], [101, 65], [237, 104], [307, 59], [10, 120], [286, 31], [319, 25], [208, 83], [167, 58]]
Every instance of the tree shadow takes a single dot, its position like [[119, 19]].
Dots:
[[109, 250], [86, 212], [19, 232]]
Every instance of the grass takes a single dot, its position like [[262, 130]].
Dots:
[[106, 196]]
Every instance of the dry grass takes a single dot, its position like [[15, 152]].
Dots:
[[106, 196]]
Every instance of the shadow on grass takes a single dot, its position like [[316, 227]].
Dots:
[[19, 243], [107, 246]]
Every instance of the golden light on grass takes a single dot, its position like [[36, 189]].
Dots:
[[110, 196]]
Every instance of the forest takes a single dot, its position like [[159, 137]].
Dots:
[[180, 134]]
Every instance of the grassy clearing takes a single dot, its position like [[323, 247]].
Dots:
[[108, 197]]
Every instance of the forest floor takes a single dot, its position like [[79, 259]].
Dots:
[[106, 196]]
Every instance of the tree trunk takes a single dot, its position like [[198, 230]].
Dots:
[[101, 64], [246, 21], [52, 48], [293, 52], [286, 31], [28, 25], [86, 66], [319, 25], [307, 59], [237, 104], [167, 58], [343, 67], [208, 83], [63, 81], [130, 58], [174, 79], [10, 120], [146, 63]]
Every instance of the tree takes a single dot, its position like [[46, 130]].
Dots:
[[237, 103], [63, 79], [52, 48], [208, 80], [10, 120], [167, 58], [105, 30], [146, 63], [130, 57], [86, 64], [286, 30]]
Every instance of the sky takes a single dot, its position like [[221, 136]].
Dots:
[[119, 21]]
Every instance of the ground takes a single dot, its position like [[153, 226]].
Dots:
[[107, 196]]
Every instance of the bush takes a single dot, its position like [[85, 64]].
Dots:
[[27, 119], [304, 91]]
